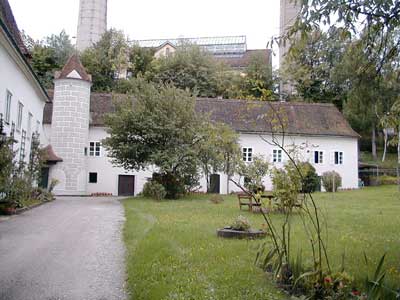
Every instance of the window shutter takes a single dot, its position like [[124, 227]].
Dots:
[[332, 158]]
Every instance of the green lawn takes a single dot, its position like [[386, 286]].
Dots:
[[173, 251]]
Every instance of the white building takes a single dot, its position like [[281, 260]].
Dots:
[[22, 98], [92, 22], [74, 126]]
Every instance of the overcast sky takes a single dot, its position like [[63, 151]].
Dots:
[[141, 19]]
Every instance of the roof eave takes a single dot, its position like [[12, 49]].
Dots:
[[22, 57]]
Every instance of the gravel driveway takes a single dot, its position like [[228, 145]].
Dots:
[[69, 249]]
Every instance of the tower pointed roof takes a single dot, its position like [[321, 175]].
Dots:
[[73, 69]]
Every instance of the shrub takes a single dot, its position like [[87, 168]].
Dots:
[[241, 223], [311, 181], [331, 181], [217, 199], [155, 190]]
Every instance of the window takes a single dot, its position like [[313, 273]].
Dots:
[[277, 156], [37, 127], [318, 157], [92, 177], [94, 149], [248, 154], [22, 149], [7, 116], [29, 127], [338, 158], [20, 111]]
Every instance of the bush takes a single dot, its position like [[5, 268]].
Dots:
[[241, 224], [311, 182], [155, 190], [331, 179]]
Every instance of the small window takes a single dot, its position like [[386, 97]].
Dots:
[[7, 116], [318, 157], [20, 112], [22, 149], [277, 156], [248, 154], [338, 158], [95, 149], [92, 177]]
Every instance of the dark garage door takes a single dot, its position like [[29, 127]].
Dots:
[[126, 185]]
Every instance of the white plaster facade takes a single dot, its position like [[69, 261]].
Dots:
[[108, 174], [20, 88], [92, 23]]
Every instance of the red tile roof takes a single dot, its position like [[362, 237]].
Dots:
[[300, 118], [7, 17], [73, 64], [50, 155]]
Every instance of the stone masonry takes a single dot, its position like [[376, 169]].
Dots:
[[69, 134]]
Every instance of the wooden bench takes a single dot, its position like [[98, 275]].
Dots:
[[247, 200]]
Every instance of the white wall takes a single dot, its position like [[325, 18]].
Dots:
[[13, 79], [107, 174]]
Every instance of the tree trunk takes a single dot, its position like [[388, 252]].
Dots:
[[385, 138], [373, 143]]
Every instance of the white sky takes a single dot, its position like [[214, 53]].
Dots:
[[257, 19]]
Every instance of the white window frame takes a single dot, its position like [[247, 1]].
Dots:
[[247, 154], [277, 156], [29, 127], [20, 115], [95, 149], [7, 108], [321, 157], [340, 158], [23, 146]]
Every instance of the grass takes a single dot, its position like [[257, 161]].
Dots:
[[173, 251]]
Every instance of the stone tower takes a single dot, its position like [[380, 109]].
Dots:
[[290, 10], [70, 127], [92, 22]]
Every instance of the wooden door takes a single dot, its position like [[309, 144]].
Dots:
[[44, 180], [215, 183], [126, 185]]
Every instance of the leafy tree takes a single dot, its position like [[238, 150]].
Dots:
[[217, 140], [49, 55], [106, 59], [376, 18], [160, 128], [189, 68], [311, 63], [62, 46], [141, 60], [6, 161], [258, 81]]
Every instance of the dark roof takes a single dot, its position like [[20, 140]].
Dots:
[[7, 17], [50, 155], [247, 116], [73, 64], [244, 61]]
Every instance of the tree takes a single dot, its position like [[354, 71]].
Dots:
[[218, 141], [141, 60], [106, 60], [376, 18], [189, 68], [49, 55], [159, 128], [311, 63]]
